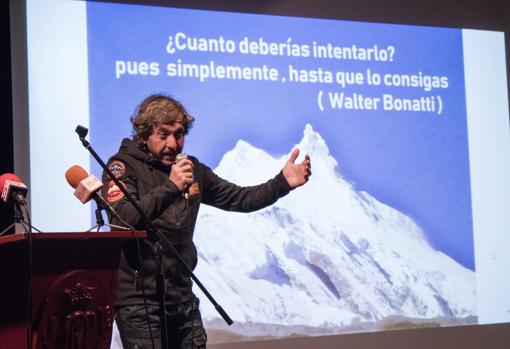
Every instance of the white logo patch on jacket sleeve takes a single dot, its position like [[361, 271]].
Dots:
[[117, 167]]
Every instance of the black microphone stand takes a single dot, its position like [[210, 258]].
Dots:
[[100, 221], [162, 242], [19, 218]]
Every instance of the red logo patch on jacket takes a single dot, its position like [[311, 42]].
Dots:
[[113, 192]]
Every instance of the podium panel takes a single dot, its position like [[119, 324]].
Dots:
[[71, 288]]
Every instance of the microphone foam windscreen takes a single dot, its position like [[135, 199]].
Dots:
[[10, 177], [75, 174]]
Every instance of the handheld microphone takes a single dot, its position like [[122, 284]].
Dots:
[[13, 189], [185, 190], [180, 156], [87, 187]]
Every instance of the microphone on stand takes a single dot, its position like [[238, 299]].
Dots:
[[13, 189], [87, 187]]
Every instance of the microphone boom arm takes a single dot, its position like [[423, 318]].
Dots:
[[154, 231]]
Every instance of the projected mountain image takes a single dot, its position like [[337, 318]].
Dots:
[[324, 259]]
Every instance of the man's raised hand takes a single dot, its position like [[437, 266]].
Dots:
[[297, 174]]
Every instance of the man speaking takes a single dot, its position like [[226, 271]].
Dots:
[[169, 186]]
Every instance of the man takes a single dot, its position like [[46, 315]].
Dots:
[[170, 192]]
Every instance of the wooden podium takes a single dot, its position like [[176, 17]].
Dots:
[[72, 286]]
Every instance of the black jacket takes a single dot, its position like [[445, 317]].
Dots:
[[159, 198]]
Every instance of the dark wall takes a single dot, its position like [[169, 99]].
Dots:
[[6, 150]]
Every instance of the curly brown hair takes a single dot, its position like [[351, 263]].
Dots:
[[156, 110]]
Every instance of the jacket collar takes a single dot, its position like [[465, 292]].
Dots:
[[130, 148]]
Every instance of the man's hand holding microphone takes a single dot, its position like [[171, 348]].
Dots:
[[181, 174]]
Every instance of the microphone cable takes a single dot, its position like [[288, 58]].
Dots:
[[28, 310]]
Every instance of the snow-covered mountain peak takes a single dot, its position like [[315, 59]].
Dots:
[[324, 165], [312, 143], [247, 164]]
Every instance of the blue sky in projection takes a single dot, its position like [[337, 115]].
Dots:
[[416, 161]]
